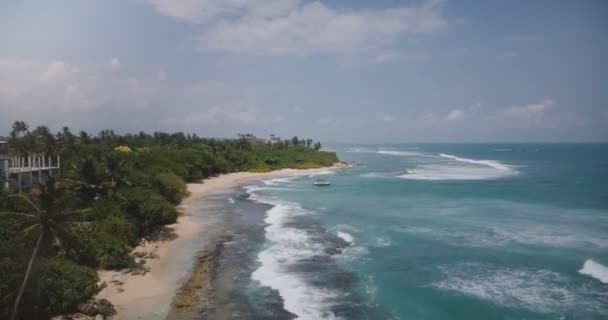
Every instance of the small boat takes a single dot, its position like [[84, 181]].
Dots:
[[321, 183]]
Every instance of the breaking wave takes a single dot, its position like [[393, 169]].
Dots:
[[459, 169], [489, 163], [538, 290], [346, 236], [294, 249], [595, 270]]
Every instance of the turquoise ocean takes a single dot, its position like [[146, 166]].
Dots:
[[430, 231]]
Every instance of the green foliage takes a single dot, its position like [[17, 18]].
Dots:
[[172, 187], [62, 284], [146, 209], [79, 245], [132, 184]]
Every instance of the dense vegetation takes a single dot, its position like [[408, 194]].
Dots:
[[114, 191]]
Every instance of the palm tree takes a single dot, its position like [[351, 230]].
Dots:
[[19, 127], [48, 216]]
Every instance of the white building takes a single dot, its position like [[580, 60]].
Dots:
[[23, 172], [4, 164]]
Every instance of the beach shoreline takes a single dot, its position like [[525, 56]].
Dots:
[[149, 296]]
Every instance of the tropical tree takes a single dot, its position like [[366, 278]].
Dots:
[[19, 127], [47, 216]]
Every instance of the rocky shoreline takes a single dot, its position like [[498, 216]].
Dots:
[[194, 299]]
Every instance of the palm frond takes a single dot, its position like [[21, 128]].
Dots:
[[17, 214], [21, 199], [29, 230]]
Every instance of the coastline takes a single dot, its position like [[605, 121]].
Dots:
[[149, 296]]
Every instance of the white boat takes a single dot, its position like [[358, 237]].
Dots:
[[321, 183]]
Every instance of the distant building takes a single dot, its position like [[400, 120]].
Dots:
[[4, 165], [273, 140], [21, 172]]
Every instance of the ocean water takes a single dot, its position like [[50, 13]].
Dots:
[[430, 231]]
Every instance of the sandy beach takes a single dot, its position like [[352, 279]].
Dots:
[[149, 296]]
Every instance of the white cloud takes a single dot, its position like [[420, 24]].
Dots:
[[530, 115], [294, 27], [54, 70], [477, 106], [455, 115], [57, 87], [314, 28], [201, 11], [215, 115], [115, 63], [161, 76], [529, 109]]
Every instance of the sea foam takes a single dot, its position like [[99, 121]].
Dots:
[[595, 270], [346, 236], [489, 163], [538, 290], [287, 246], [398, 153], [469, 169]]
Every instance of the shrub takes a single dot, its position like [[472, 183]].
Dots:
[[147, 209], [104, 208], [78, 244], [111, 252], [62, 284], [172, 187], [111, 238]]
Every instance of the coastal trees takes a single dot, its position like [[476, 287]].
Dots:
[[172, 187], [132, 183], [46, 219]]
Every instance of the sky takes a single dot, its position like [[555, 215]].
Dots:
[[337, 71]]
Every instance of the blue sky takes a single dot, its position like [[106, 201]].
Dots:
[[349, 71]]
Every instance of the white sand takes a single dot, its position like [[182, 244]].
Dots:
[[149, 296]]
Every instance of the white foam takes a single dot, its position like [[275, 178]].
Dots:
[[378, 175], [346, 236], [286, 246], [231, 201], [505, 236], [450, 172], [534, 289], [278, 181], [381, 242], [398, 153], [469, 169], [489, 163], [322, 173], [595, 270], [359, 150]]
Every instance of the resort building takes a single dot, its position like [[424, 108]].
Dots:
[[23, 172], [4, 165]]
